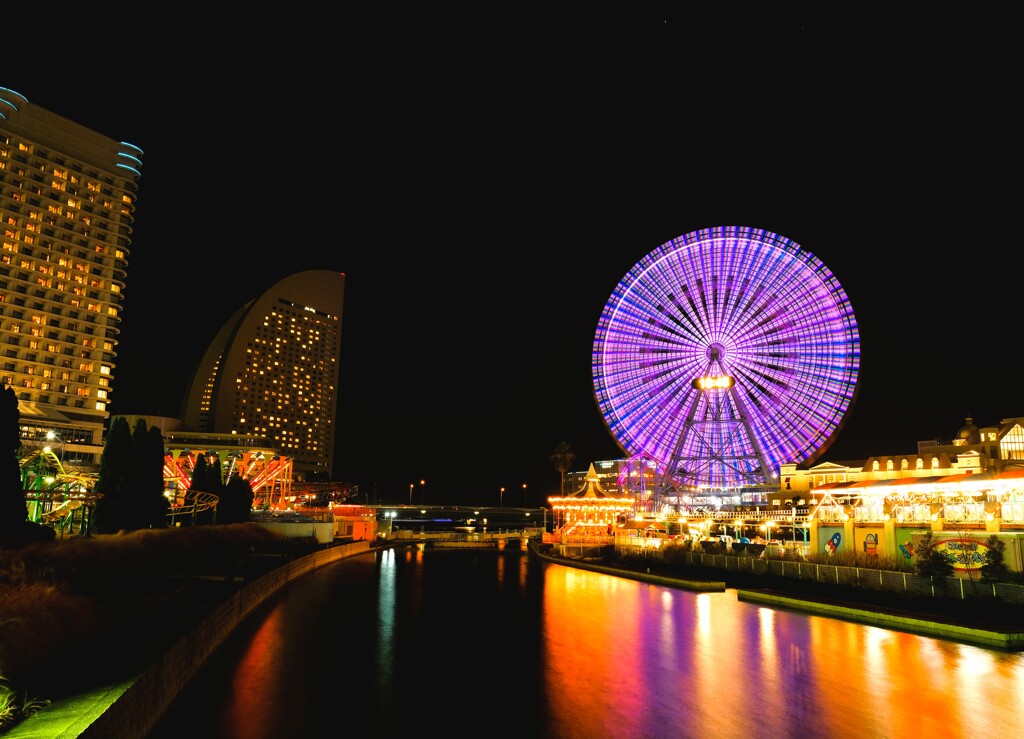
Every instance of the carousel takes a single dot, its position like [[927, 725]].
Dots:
[[591, 510]]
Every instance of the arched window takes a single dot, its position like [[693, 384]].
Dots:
[[904, 464], [874, 466], [920, 463], [935, 463], [889, 465]]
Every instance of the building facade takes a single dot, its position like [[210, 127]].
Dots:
[[67, 198], [272, 371]]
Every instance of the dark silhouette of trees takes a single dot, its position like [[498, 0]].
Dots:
[[994, 569], [131, 479], [12, 495], [932, 563], [206, 478], [563, 458], [15, 528], [146, 506], [112, 511], [235, 501]]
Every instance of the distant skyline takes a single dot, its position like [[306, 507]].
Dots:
[[484, 201]]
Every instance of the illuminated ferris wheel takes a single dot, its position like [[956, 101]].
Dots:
[[723, 354]]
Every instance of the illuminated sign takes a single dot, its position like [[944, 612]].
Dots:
[[713, 383], [963, 554]]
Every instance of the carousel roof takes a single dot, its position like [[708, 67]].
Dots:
[[591, 490], [592, 487]]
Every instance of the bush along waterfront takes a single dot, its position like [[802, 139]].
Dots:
[[990, 598]]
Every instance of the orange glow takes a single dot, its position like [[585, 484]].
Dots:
[[604, 669]]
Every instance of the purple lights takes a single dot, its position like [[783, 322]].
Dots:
[[725, 353]]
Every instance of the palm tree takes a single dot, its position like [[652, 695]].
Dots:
[[562, 458]]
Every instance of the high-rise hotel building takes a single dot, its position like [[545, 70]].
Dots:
[[272, 371], [67, 195]]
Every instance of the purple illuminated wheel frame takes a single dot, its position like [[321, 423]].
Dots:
[[725, 353]]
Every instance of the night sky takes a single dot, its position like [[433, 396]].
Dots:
[[485, 192]]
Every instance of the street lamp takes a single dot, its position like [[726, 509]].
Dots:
[[411, 485], [524, 495], [423, 492], [52, 436], [501, 496]]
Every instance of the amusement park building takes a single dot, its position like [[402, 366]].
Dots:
[[992, 450], [963, 492], [67, 195], [272, 370]]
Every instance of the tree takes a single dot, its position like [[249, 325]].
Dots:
[[994, 568], [194, 485], [148, 505], [206, 478], [13, 509], [931, 562], [235, 501], [563, 458], [15, 528], [111, 512]]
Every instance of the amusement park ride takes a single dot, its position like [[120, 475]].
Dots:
[[721, 355], [64, 498]]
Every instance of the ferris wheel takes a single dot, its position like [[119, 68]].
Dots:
[[724, 353]]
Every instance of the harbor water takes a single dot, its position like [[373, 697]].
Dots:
[[484, 644]]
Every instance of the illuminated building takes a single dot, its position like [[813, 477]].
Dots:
[[992, 449], [271, 372], [67, 195]]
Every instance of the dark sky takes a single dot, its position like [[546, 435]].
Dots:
[[484, 192]]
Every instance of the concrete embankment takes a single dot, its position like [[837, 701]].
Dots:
[[886, 618], [129, 709], [1010, 641], [672, 582]]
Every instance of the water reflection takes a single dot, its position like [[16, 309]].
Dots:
[[471, 644]]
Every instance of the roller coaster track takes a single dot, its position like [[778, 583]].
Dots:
[[64, 500]]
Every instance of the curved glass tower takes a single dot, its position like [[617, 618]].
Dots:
[[272, 371]]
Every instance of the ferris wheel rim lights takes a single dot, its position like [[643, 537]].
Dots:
[[725, 353]]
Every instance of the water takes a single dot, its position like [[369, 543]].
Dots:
[[460, 644]]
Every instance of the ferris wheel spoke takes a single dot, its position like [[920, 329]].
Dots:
[[748, 307]]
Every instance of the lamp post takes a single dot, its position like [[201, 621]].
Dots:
[[501, 497], [411, 485], [794, 524], [423, 492], [524, 495], [53, 436]]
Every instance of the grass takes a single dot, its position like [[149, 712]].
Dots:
[[80, 611]]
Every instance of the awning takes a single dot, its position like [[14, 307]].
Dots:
[[41, 412]]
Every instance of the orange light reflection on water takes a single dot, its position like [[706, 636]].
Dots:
[[641, 660], [254, 702]]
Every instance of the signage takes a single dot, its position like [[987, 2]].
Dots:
[[719, 382], [963, 554]]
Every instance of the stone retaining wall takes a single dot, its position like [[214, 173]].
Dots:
[[140, 707]]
